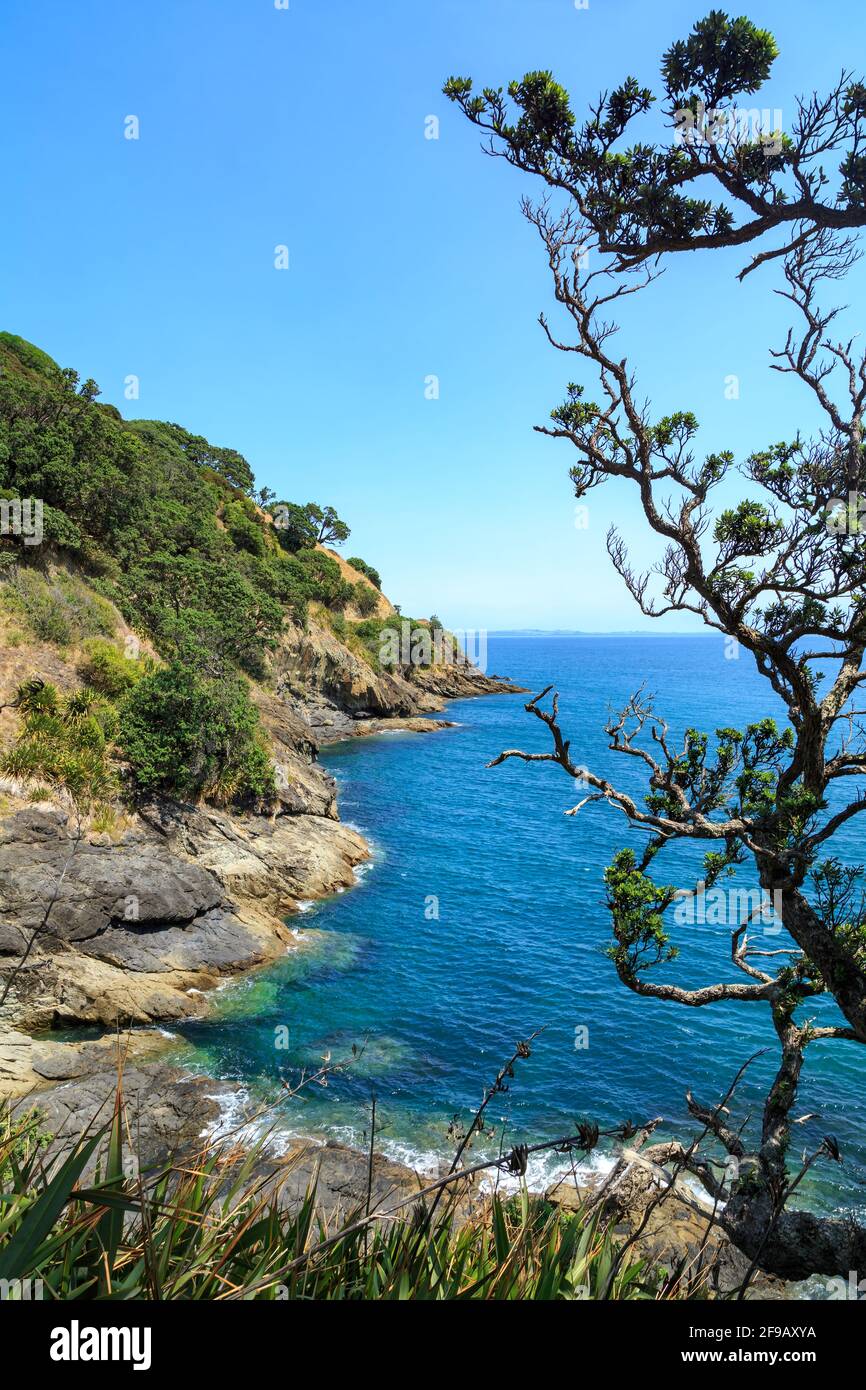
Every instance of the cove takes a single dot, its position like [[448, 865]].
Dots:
[[482, 918]]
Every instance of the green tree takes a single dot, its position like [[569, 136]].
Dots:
[[640, 198], [366, 599], [198, 609], [187, 735], [293, 526], [776, 574], [227, 462], [330, 530], [324, 579], [363, 568]]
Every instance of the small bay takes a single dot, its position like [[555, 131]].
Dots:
[[482, 918]]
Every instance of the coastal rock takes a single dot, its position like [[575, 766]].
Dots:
[[673, 1235], [173, 1115], [139, 928], [26, 1065], [266, 864], [414, 726], [123, 887], [167, 1112], [303, 787], [328, 686]]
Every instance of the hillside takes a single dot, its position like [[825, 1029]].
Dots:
[[174, 647]]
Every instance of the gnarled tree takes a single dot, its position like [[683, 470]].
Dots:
[[723, 179], [782, 573]]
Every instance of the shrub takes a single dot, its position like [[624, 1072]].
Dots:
[[29, 355], [362, 566], [366, 599], [46, 611], [324, 579], [110, 672], [59, 608], [244, 529], [66, 741], [191, 735], [199, 608]]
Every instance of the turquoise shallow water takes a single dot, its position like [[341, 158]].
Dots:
[[482, 918]]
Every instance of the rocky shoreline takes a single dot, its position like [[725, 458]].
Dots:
[[133, 925], [174, 1115], [145, 921]]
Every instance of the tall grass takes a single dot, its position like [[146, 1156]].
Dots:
[[213, 1227], [58, 607]]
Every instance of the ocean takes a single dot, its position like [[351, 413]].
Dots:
[[481, 918]]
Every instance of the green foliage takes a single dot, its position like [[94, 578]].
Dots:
[[428, 641], [29, 355], [228, 463], [637, 907], [323, 579], [339, 625], [638, 195], [65, 741], [189, 735], [243, 527], [363, 568], [108, 671], [58, 608], [301, 528], [330, 530], [721, 58], [366, 599], [194, 1230], [22, 1139], [746, 530], [294, 526], [202, 611]]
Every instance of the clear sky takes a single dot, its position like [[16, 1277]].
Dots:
[[408, 257]]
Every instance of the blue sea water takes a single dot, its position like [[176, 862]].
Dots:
[[481, 918]]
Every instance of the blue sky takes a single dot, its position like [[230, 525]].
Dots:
[[408, 258]]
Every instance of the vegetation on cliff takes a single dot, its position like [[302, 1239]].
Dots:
[[144, 517]]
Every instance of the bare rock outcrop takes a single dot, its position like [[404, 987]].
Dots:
[[136, 930], [332, 691]]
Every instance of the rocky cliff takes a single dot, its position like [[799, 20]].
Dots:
[[135, 923]]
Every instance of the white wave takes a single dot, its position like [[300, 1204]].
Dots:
[[231, 1111], [546, 1170], [232, 1124]]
